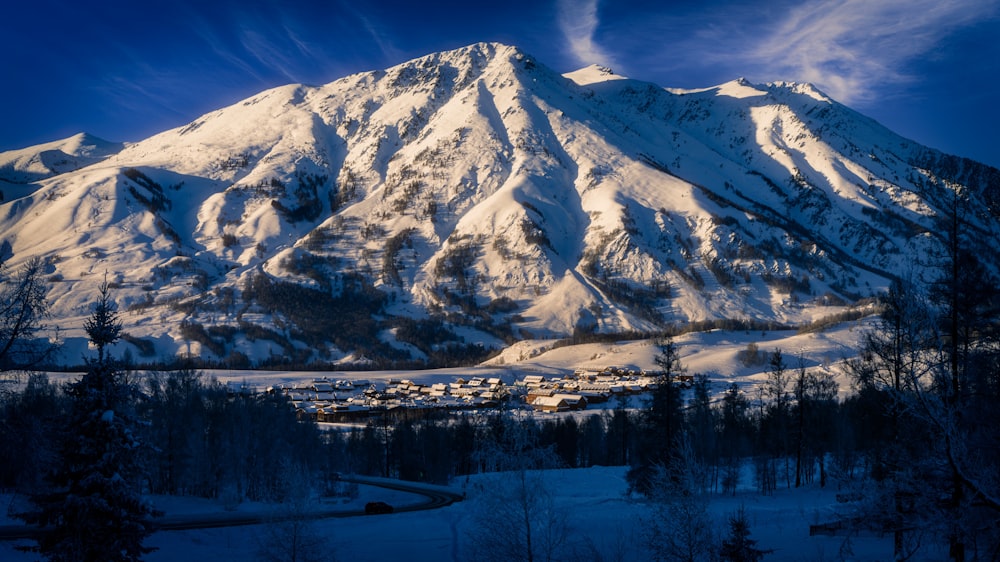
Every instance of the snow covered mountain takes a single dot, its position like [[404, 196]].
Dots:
[[477, 197], [53, 158]]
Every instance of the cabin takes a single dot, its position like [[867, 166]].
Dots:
[[595, 397], [550, 404], [559, 403], [574, 401], [533, 380], [322, 386], [538, 393]]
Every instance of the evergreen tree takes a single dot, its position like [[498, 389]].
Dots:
[[662, 421], [27, 420], [775, 425], [104, 328], [93, 509], [735, 435], [702, 422], [738, 546]]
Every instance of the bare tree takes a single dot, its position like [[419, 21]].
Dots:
[[815, 399], [516, 518], [292, 534], [934, 468], [681, 527], [23, 310]]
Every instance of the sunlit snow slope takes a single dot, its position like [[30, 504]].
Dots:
[[476, 196]]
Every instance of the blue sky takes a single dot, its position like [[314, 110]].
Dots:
[[928, 69]]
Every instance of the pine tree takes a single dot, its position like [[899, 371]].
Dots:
[[738, 546], [662, 421], [93, 509], [103, 327]]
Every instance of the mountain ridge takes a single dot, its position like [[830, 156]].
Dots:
[[470, 198], [43, 161]]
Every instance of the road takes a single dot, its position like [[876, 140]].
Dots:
[[434, 498]]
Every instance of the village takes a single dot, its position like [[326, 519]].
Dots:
[[333, 400]]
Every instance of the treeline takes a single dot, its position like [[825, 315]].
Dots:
[[211, 440], [201, 438]]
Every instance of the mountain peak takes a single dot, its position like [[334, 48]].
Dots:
[[469, 198], [740, 88], [593, 74], [45, 160], [481, 52], [86, 144], [804, 88]]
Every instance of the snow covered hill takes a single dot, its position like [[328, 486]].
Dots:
[[475, 197], [53, 158]]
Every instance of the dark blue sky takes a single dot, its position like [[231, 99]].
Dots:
[[928, 69]]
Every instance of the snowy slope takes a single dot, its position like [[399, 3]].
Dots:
[[46, 160], [488, 199]]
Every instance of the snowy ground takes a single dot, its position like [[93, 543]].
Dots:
[[713, 353], [593, 499]]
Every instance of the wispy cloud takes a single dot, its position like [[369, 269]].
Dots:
[[385, 45], [853, 48], [223, 46], [578, 22], [270, 52], [139, 87]]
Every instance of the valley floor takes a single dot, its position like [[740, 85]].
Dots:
[[593, 500]]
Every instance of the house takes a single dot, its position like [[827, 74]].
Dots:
[[305, 410], [322, 387], [550, 404], [324, 396], [573, 401], [465, 391], [593, 387], [595, 397], [538, 393], [342, 413]]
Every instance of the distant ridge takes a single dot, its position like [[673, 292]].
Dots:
[[46, 160]]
